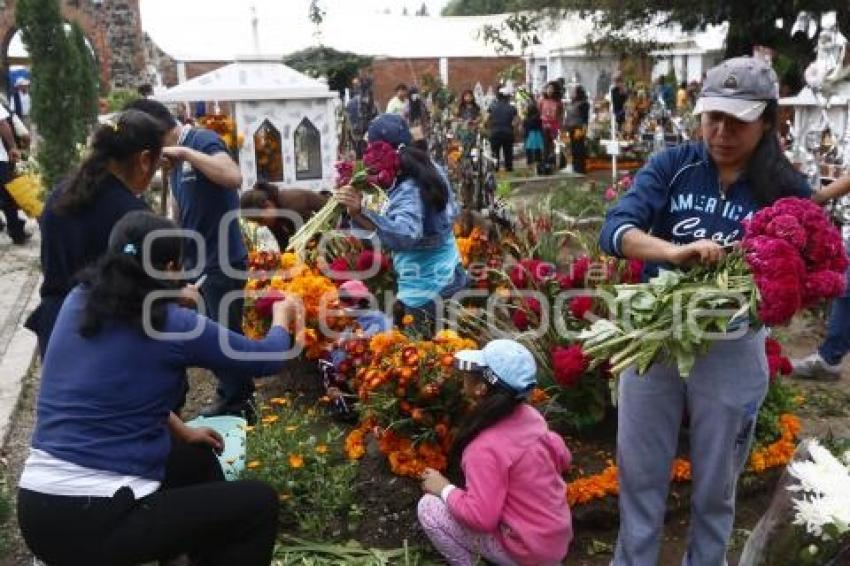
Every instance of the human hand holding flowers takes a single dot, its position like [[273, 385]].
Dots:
[[433, 482], [350, 198], [697, 252]]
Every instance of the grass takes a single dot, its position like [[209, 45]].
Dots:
[[297, 552]]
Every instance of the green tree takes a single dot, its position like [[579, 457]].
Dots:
[[618, 21], [86, 79], [54, 72], [476, 7], [337, 66]]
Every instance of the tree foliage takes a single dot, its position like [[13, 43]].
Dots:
[[618, 22], [337, 66], [64, 85]]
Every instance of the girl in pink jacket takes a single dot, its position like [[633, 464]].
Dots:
[[508, 503]]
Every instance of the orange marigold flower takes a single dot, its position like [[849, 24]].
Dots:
[[253, 464], [322, 448], [281, 401], [270, 419], [538, 396], [296, 461], [681, 471], [407, 319]]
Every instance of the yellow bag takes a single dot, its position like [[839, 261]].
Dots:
[[26, 190]]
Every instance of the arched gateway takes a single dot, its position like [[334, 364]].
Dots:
[[113, 27]]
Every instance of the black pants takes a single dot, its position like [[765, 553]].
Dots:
[[578, 148], [8, 205], [233, 387], [195, 512], [503, 143]]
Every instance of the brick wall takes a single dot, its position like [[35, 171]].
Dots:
[[464, 72], [199, 68], [387, 73]]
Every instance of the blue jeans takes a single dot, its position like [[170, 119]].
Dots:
[[837, 342], [233, 387]]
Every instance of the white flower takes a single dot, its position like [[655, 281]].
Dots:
[[824, 484]]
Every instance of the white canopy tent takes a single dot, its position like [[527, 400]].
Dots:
[[249, 79]]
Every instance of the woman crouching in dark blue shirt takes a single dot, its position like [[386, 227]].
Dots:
[[113, 476]]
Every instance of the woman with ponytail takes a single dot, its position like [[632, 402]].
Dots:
[[504, 500], [113, 476], [82, 209], [416, 225]]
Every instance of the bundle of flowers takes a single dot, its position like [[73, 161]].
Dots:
[[784, 264], [796, 256], [409, 394], [377, 173], [808, 521], [317, 293]]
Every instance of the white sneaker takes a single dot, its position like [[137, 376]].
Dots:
[[815, 367]]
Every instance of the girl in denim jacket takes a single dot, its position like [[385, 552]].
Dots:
[[416, 225]]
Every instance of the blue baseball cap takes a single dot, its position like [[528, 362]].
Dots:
[[390, 128], [502, 362]]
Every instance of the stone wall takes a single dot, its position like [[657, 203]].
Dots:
[[114, 30]]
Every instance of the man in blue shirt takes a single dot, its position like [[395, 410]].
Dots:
[[205, 182]]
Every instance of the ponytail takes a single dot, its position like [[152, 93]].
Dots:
[[497, 405], [417, 165], [132, 133]]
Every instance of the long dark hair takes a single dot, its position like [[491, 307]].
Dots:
[[461, 105], [497, 404], [258, 195], [771, 175], [416, 164], [131, 133], [119, 283]]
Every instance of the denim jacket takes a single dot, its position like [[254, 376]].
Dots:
[[407, 224]]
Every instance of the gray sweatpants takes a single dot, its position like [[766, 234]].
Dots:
[[723, 395]]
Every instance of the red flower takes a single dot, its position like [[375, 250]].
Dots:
[[772, 347], [787, 228], [264, 304], [339, 267], [520, 316], [368, 258], [569, 364], [580, 305], [634, 271], [531, 270], [383, 163], [344, 173], [579, 269]]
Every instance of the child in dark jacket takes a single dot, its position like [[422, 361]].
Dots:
[[507, 504], [533, 129]]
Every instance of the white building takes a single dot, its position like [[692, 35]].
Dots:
[[562, 53]]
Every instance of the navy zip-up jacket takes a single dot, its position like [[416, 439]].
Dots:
[[677, 197]]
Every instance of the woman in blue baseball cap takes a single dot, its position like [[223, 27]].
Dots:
[[506, 501], [416, 225]]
